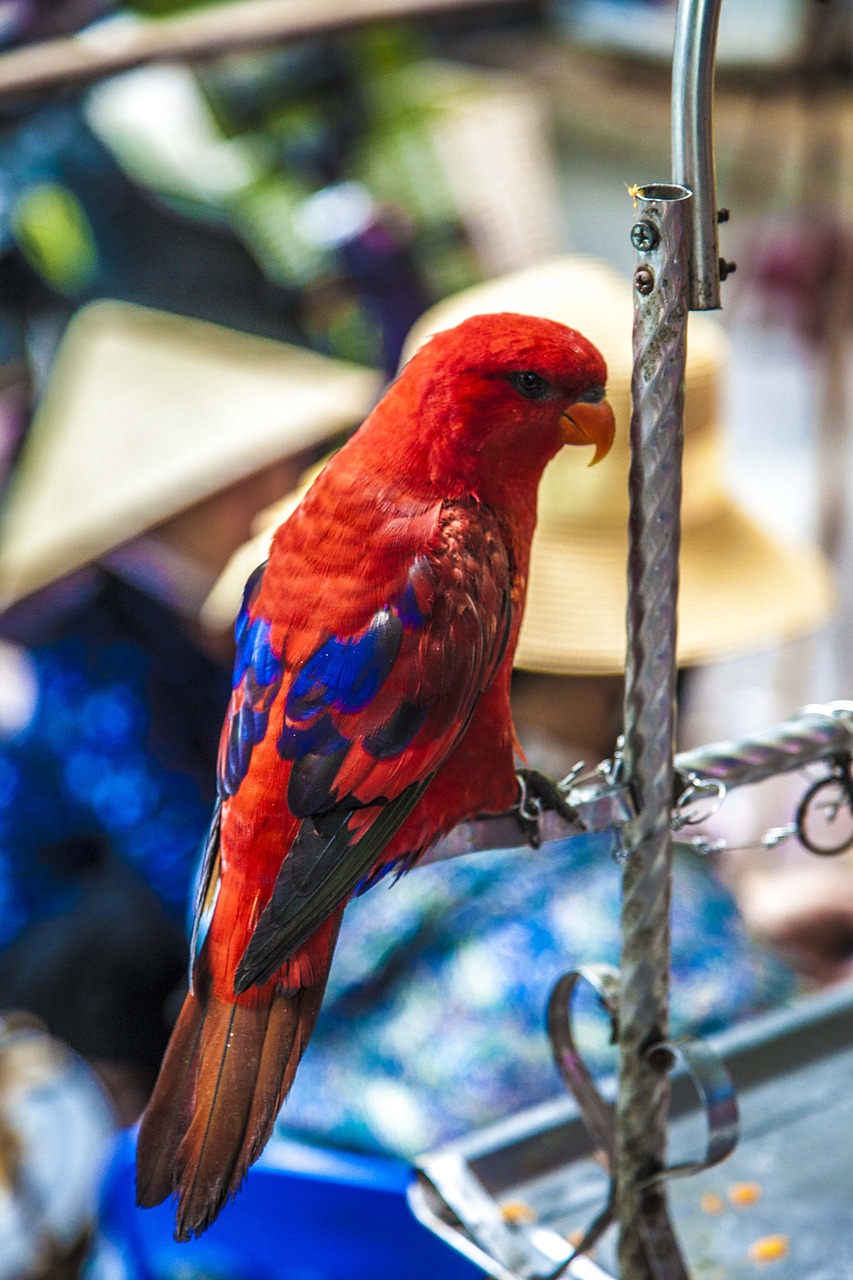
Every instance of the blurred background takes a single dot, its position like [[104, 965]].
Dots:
[[214, 247]]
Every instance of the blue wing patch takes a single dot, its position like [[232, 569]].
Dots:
[[320, 738], [346, 674], [342, 677], [257, 677]]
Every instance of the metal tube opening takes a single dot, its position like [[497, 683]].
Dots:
[[662, 191]]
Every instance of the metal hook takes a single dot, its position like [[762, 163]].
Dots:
[[529, 807]]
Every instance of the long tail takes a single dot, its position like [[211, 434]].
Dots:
[[226, 1073]]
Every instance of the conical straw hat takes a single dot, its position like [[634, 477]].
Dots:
[[740, 588], [146, 414]]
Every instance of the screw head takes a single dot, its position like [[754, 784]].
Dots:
[[727, 268], [723, 215], [644, 236], [644, 280]]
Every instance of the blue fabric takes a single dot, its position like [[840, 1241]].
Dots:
[[121, 746], [302, 1214], [434, 1019]]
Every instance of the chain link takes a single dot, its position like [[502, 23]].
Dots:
[[771, 838]]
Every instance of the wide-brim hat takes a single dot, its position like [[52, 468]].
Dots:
[[146, 414], [741, 589]]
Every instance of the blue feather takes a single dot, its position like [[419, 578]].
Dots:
[[341, 677], [255, 654], [407, 607], [247, 728], [345, 674], [257, 669], [250, 592]]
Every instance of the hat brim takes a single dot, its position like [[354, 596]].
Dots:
[[148, 413], [740, 591]]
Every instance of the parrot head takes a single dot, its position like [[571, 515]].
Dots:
[[497, 396]]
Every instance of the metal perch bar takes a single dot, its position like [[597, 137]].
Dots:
[[678, 269], [108, 48]]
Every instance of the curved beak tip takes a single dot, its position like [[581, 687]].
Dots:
[[587, 424]]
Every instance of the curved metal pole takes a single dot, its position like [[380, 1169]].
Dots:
[[693, 56], [647, 1246]]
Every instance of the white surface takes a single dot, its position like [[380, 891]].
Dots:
[[756, 33]]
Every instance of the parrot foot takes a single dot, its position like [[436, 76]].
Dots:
[[539, 794]]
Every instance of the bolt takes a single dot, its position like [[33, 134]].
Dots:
[[727, 268], [644, 236], [723, 215], [644, 280]]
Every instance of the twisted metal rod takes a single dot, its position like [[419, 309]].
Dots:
[[647, 1245], [814, 733]]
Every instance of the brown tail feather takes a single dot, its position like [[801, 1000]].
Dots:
[[225, 1076], [169, 1109], [230, 1053], [291, 1024]]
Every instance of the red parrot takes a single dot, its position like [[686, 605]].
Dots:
[[370, 715]]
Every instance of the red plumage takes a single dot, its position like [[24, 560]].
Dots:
[[370, 715]]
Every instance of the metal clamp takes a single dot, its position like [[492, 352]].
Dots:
[[452, 1202], [706, 1070], [504, 1250]]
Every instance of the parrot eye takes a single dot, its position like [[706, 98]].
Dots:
[[530, 385]]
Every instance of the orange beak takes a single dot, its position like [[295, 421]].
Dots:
[[585, 423]]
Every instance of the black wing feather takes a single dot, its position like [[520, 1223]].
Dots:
[[322, 868]]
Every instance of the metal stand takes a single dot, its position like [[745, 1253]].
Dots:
[[647, 792], [678, 270], [647, 1245], [693, 56]]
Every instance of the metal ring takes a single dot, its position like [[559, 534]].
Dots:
[[839, 780], [529, 807], [697, 789]]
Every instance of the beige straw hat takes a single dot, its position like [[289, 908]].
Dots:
[[740, 588], [146, 414]]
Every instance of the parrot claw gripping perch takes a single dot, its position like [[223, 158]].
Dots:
[[539, 794]]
